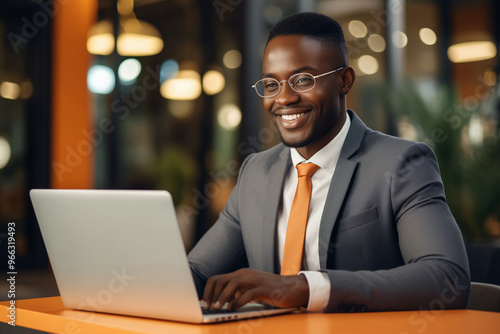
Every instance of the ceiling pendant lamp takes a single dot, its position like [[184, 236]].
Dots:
[[135, 37], [139, 38], [101, 40]]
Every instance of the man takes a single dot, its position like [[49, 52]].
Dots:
[[379, 233]]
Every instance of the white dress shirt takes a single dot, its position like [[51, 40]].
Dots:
[[326, 159]]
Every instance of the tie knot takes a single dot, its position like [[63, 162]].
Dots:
[[307, 169]]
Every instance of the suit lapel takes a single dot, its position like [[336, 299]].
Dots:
[[339, 185], [273, 194]]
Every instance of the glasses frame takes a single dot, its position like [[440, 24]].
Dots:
[[290, 82]]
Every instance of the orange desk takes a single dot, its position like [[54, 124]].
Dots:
[[49, 314]]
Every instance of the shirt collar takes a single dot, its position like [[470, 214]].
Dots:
[[327, 157]]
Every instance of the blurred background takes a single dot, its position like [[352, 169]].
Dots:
[[156, 94]]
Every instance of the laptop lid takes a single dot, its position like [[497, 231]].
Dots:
[[120, 251]]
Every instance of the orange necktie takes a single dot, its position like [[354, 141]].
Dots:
[[297, 223]]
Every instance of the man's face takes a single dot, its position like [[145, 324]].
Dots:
[[315, 117]]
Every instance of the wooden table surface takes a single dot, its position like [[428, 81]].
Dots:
[[49, 314]]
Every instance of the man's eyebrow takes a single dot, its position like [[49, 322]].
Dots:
[[298, 70]]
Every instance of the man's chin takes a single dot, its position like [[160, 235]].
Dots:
[[295, 143]]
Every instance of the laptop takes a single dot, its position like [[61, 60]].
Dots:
[[121, 252]]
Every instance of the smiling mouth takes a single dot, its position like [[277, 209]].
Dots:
[[292, 117]]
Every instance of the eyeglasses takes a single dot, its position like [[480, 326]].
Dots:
[[300, 82]]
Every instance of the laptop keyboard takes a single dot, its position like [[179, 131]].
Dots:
[[212, 311], [251, 307]]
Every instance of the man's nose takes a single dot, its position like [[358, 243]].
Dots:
[[287, 95]]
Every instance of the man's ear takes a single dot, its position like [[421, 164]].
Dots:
[[347, 77]]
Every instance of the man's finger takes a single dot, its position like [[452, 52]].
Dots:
[[225, 293], [244, 298], [208, 293]]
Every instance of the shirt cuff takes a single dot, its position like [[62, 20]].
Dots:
[[319, 290]]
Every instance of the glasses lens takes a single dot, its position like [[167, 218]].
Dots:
[[267, 87], [302, 82]]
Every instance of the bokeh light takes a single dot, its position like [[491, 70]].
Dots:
[[472, 51], [368, 64], [186, 86], [357, 29], [168, 70], [181, 109], [26, 89], [10, 90], [427, 36], [232, 59], [229, 116], [213, 82], [129, 70], [101, 79], [5, 152], [399, 39], [376, 43], [490, 78]]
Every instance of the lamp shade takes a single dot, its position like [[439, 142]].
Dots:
[[472, 51], [139, 38], [100, 39], [185, 86], [136, 38]]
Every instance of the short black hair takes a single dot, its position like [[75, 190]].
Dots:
[[316, 26]]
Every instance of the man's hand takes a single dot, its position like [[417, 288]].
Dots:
[[246, 285]]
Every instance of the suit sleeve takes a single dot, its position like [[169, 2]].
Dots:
[[435, 275], [221, 250]]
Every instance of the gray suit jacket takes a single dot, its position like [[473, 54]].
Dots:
[[387, 238]]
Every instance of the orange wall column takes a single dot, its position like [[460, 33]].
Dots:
[[72, 164]]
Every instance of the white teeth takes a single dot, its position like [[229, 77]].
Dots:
[[291, 117]]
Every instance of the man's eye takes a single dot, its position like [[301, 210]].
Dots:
[[270, 85], [303, 81]]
